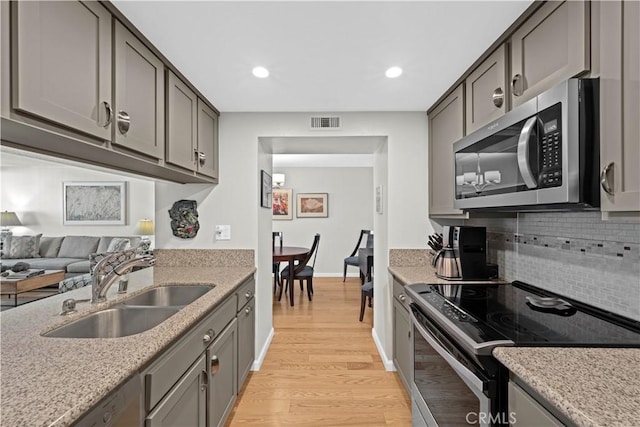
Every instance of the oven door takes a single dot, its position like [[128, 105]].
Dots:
[[448, 389]]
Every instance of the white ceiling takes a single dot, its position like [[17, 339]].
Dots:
[[324, 56]]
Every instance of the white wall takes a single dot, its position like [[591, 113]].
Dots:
[[236, 199], [350, 199], [32, 187]]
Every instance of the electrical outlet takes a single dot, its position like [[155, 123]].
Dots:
[[223, 232]]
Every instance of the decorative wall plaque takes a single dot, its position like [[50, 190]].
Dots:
[[184, 219]]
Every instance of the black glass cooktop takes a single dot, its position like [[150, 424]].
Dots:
[[526, 315]]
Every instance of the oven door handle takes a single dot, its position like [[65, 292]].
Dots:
[[523, 152], [476, 385]]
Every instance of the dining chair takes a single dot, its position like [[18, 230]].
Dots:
[[276, 235], [366, 291], [303, 271], [353, 259]]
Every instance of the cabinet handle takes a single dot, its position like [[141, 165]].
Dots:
[[124, 121], [248, 295], [402, 298], [107, 107], [202, 158], [498, 97], [209, 335], [215, 365], [247, 310], [517, 85], [604, 179]]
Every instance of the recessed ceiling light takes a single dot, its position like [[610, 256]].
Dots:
[[393, 72], [261, 72]]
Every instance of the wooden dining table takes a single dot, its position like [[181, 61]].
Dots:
[[290, 254]]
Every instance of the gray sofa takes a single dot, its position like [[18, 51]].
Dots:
[[71, 253]]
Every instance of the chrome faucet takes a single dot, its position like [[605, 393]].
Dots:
[[102, 281]]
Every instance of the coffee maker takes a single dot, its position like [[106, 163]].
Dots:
[[464, 254]]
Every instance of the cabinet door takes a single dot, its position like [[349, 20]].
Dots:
[[139, 96], [223, 375], [62, 63], [486, 90], [527, 412], [402, 343], [446, 126], [551, 46], [207, 140], [246, 341], [182, 118], [620, 105], [186, 403]]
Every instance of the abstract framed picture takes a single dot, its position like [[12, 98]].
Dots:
[[312, 205], [94, 203], [265, 189], [282, 203]]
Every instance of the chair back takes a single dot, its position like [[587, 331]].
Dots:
[[362, 234], [312, 254], [276, 235], [369, 244]]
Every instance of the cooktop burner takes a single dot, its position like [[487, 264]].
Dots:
[[523, 314]]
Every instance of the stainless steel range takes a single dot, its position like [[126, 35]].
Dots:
[[455, 327]]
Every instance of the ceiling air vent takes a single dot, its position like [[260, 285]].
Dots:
[[325, 123]]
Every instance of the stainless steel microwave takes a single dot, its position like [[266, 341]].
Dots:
[[543, 154]]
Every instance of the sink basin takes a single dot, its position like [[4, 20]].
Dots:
[[179, 295], [114, 322]]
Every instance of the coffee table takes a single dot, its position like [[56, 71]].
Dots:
[[18, 286]]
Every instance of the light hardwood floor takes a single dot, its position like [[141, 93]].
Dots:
[[322, 368]]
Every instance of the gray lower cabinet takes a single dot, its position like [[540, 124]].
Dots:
[[139, 96], [446, 126], [620, 107], [525, 411], [186, 403], [223, 375], [62, 72], [549, 47], [246, 340], [402, 336]]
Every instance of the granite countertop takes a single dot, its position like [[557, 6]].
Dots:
[[590, 386], [53, 381]]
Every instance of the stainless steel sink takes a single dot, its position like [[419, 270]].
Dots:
[[119, 321], [171, 295]]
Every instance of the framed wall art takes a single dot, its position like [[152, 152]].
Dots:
[[312, 205], [265, 189], [282, 203], [94, 203]]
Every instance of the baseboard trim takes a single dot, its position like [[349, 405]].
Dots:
[[263, 353], [388, 363]]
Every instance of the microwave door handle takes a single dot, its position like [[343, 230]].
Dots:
[[523, 153], [475, 384]]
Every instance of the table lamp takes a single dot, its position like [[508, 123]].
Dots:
[[145, 228], [7, 219]]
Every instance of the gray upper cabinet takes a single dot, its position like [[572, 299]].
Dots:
[[620, 106], [486, 91], [182, 123], [551, 46], [139, 96], [207, 141], [446, 126], [62, 72]]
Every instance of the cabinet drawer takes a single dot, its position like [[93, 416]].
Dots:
[[245, 293], [398, 292], [164, 372]]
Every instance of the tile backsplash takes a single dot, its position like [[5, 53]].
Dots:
[[575, 254]]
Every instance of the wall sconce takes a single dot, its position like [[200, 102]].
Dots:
[[145, 228], [278, 180], [8, 219]]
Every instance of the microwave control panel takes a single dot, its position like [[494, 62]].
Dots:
[[550, 174]]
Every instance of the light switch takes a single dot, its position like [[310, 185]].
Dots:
[[223, 232]]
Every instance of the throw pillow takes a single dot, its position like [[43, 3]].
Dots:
[[22, 246], [118, 244], [50, 246]]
